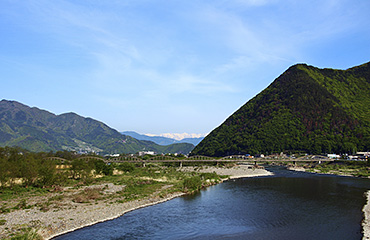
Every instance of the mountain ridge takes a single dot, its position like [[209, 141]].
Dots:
[[162, 140], [39, 130], [305, 109]]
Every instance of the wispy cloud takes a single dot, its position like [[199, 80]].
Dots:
[[179, 55]]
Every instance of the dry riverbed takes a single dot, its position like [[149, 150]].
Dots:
[[238, 171]]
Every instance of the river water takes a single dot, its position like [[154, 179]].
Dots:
[[288, 205]]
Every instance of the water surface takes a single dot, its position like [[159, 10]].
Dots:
[[289, 205]]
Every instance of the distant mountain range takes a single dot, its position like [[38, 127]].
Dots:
[[306, 109], [162, 140], [39, 130]]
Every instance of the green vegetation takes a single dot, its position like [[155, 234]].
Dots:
[[304, 110], [193, 183], [38, 130], [32, 180], [350, 168]]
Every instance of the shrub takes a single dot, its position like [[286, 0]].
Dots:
[[192, 183], [126, 167]]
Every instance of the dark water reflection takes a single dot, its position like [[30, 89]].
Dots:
[[288, 205]]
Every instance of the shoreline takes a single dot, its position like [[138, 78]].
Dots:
[[172, 196], [66, 218], [240, 172], [366, 220], [365, 224], [338, 174]]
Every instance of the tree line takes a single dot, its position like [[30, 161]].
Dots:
[[19, 166]]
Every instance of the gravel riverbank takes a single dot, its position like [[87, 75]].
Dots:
[[238, 171], [65, 215], [68, 216]]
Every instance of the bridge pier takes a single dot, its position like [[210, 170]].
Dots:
[[180, 164], [143, 164]]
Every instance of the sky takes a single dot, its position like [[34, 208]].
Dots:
[[164, 66]]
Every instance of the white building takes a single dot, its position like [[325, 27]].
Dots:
[[146, 153], [333, 156]]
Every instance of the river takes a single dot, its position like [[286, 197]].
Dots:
[[288, 205]]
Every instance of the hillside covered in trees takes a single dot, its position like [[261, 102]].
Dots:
[[306, 109], [41, 131]]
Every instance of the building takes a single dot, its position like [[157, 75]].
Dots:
[[333, 156], [363, 155], [146, 153]]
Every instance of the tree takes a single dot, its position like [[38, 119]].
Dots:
[[4, 173], [47, 172], [80, 169]]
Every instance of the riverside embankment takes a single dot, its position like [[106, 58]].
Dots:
[[63, 211], [287, 205], [366, 221]]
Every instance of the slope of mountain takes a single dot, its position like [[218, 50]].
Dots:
[[194, 141], [39, 130], [305, 109], [157, 139], [162, 140]]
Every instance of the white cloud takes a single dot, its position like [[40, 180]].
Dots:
[[254, 2], [175, 55], [187, 83]]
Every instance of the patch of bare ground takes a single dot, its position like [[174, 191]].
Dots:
[[69, 208]]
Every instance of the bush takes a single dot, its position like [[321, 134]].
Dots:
[[126, 167], [192, 183], [108, 170], [212, 175]]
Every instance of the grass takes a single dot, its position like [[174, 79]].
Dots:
[[7, 193], [352, 168], [27, 234], [87, 195], [155, 180]]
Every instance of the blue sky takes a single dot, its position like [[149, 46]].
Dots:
[[168, 66]]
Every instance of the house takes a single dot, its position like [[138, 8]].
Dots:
[[146, 153], [363, 155], [333, 156]]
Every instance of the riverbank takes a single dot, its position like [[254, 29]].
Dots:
[[238, 171], [340, 168], [366, 221], [64, 212]]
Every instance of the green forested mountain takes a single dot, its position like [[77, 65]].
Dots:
[[306, 109], [39, 130]]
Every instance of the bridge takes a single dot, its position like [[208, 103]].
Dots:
[[200, 159]]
